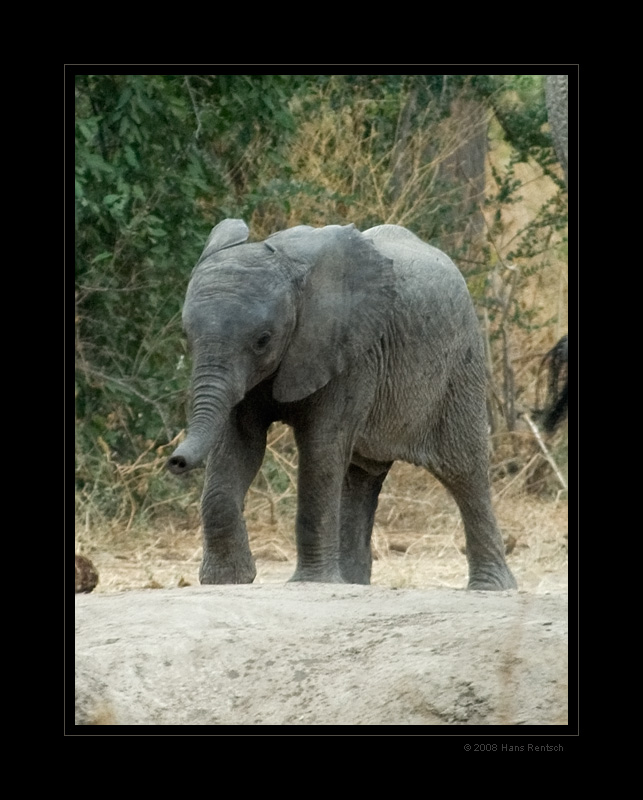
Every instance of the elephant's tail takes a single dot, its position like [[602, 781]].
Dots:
[[556, 405]]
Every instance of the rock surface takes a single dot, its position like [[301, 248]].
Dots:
[[321, 654]]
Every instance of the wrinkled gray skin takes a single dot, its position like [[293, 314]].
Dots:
[[557, 100], [367, 344]]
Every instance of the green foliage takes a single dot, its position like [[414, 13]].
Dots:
[[162, 158], [159, 160], [518, 102]]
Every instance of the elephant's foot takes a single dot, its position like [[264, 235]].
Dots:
[[361, 575], [217, 571], [492, 580], [317, 576]]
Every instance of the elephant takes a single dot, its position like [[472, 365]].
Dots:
[[557, 403], [367, 345]]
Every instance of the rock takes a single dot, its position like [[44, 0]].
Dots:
[[86, 574], [321, 654]]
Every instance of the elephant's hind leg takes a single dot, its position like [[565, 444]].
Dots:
[[457, 454], [360, 494], [485, 548]]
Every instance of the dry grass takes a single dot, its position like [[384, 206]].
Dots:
[[338, 152]]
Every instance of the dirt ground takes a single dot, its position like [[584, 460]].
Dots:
[[413, 649]]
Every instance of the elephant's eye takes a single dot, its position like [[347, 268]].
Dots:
[[262, 341]]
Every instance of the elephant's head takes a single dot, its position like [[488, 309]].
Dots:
[[300, 307]]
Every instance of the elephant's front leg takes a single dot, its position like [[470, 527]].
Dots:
[[322, 464], [231, 468]]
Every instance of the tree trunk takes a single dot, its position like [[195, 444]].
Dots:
[[557, 98], [464, 171]]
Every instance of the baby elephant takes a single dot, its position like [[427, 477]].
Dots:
[[367, 344]]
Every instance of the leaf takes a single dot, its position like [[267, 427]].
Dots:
[[101, 257], [130, 156], [87, 131], [98, 164], [125, 97]]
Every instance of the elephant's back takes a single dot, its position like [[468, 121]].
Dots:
[[416, 263], [431, 293]]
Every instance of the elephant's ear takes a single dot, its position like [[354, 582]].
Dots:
[[227, 233], [347, 293]]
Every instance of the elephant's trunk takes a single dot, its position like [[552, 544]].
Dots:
[[213, 403], [193, 451], [188, 455]]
